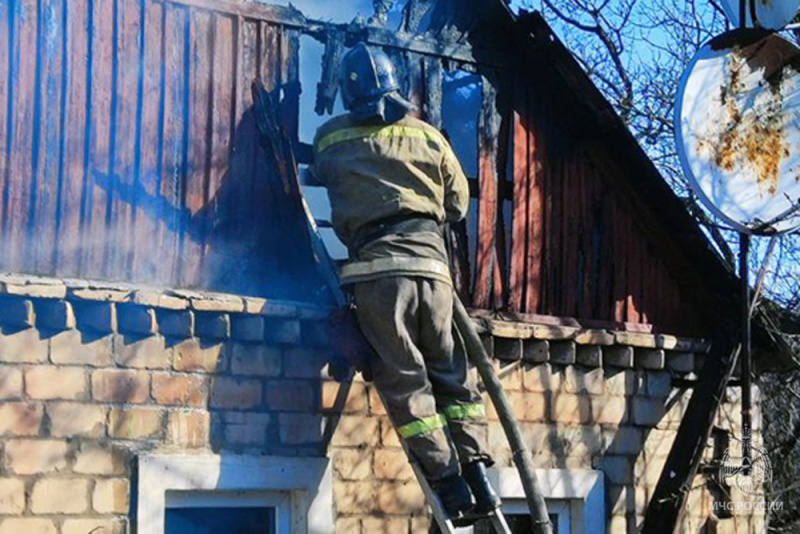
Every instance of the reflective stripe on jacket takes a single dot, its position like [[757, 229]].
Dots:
[[377, 171]]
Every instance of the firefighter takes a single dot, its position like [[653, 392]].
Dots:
[[394, 182]]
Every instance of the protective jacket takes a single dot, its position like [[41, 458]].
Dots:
[[381, 172]]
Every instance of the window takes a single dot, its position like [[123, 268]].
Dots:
[[240, 512], [575, 499], [207, 494]]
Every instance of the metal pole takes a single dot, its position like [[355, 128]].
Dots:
[[521, 454], [744, 249]]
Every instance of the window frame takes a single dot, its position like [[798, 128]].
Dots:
[[305, 483]]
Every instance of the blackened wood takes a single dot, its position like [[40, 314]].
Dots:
[[487, 210], [433, 76]]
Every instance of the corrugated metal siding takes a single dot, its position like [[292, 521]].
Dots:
[[127, 146]]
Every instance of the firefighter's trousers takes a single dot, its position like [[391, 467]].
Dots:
[[421, 371]]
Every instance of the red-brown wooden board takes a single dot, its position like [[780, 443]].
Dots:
[[535, 216], [68, 233], [174, 144], [147, 222], [6, 49], [23, 108], [519, 217], [96, 233], [48, 135]]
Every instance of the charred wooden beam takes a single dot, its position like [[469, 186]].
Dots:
[[328, 86]]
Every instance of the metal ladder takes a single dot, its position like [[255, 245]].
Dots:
[[272, 135]]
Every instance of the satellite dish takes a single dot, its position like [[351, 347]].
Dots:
[[770, 14], [737, 118]]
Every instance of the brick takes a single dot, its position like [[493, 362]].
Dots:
[[213, 302], [50, 382], [649, 358], [22, 346], [350, 525], [96, 316], [290, 396], [235, 393], [189, 429], [20, 419], [55, 314], [60, 496], [618, 356], [299, 429], [356, 400], [255, 360], [121, 385], [285, 331], [647, 412], [302, 362], [135, 423], [577, 380], [617, 469], [353, 497], [389, 436], [196, 355], [27, 525], [315, 333], [175, 323], [105, 292], [536, 350], [69, 419], [621, 383], [136, 320], [540, 378], [111, 496], [142, 353], [180, 389], [562, 352], [659, 443], [10, 383], [247, 328], [623, 440], [609, 410], [420, 523], [212, 325], [12, 496], [376, 406], [98, 459], [680, 362], [352, 464], [506, 349], [386, 525], [80, 348], [525, 406], [30, 457], [659, 384], [400, 498], [510, 374], [93, 526], [16, 312], [392, 464], [246, 428], [570, 408], [356, 431], [589, 355]]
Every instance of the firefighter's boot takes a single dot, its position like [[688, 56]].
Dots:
[[486, 500], [454, 493]]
